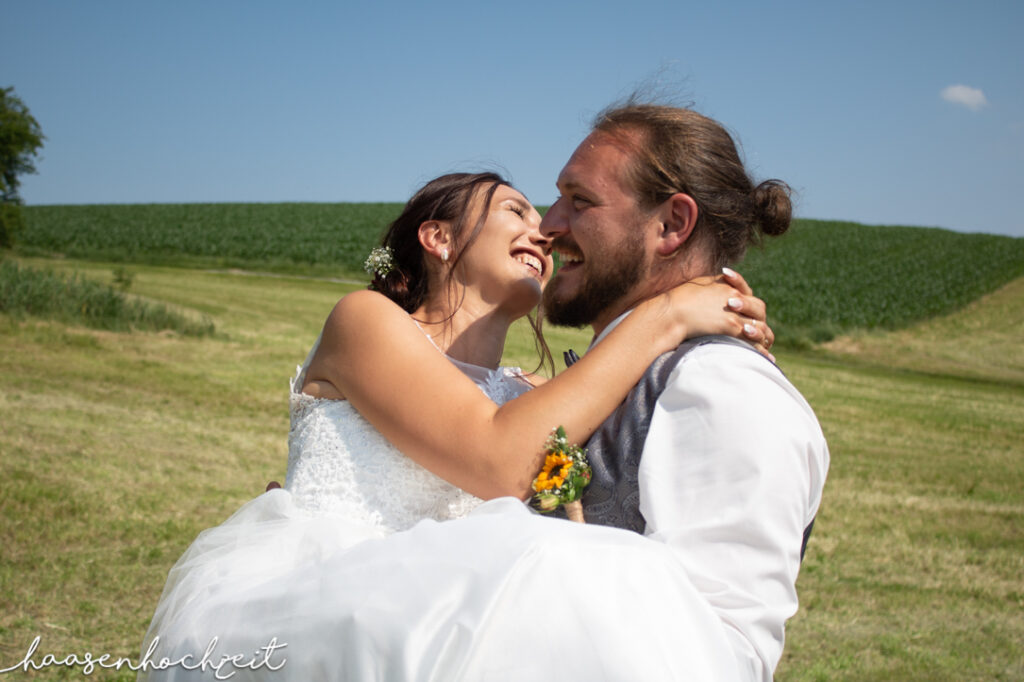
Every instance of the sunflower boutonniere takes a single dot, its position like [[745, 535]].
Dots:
[[563, 477]]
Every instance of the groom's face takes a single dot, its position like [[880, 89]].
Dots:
[[600, 234]]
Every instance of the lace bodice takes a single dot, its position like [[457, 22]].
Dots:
[[339, 464]]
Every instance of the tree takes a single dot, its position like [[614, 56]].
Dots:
[[20, 140]]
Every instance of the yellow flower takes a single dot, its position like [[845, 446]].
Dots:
[[563, 476], [556, 468]]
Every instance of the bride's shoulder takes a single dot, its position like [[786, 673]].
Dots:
[[364, 309], [366, 322], [363, 301]]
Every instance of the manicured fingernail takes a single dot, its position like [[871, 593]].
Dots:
[[728, 272], [750, 329], [771, 357], [735, 303]]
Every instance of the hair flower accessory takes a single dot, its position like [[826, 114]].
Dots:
[[563, 477], [380, 262]]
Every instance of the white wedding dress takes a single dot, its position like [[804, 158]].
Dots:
[[368, 567]]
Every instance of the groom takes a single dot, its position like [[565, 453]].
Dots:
[[714, 453]]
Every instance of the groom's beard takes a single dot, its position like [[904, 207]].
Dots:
[[606, 278]]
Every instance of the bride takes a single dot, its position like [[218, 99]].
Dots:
[[380, 559]]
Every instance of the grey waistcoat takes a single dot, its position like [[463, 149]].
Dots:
[[613, 496]]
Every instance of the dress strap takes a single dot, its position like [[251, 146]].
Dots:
[[429, 337], [300, 372], [500, 385]]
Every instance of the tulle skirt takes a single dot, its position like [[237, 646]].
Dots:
[[502, 594]]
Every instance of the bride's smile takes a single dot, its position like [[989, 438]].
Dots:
[[534, 263], [508, 252]]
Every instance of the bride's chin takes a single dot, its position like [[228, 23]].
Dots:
[[524, 296]]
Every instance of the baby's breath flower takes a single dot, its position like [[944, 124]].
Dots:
[[380, 262]]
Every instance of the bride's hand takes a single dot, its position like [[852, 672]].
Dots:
[[699, 303]]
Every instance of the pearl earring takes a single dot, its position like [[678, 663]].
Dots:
[[444, 255]]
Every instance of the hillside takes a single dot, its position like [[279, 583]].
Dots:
[[826, 278], [981, 341]]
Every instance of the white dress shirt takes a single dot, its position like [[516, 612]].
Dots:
[[731, 474]]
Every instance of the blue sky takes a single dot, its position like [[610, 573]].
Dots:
[[227, 100]]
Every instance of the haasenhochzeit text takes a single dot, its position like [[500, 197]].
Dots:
[[260, 658]]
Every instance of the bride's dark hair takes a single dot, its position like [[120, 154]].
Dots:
[[447, 198]]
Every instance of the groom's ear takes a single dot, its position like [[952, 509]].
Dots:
[[678, 215], [435, 236]]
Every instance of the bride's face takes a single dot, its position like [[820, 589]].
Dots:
[[510, 261]]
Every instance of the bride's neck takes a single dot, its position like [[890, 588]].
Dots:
[[474, 333]]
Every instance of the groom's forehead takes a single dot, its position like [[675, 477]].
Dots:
[[597, 164]]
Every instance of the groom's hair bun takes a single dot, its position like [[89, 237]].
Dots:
[[773, 206]]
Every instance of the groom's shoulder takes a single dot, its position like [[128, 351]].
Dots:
[[723, 352], [716, 365], [728, 372], [703, 348]]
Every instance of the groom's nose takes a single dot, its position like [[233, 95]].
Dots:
[[554, 223]]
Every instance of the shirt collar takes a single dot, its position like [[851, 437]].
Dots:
[[607, 330]]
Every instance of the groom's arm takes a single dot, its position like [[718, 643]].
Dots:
[[731, 474]]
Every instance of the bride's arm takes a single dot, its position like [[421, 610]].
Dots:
[[380, 361]]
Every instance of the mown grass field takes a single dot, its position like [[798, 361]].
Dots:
[[117, 448]]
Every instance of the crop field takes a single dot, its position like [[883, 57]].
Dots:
[[820, 279], [824, 278], [330, 239], [117, 448]]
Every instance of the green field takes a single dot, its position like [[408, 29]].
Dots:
[[117, 448], [324, 239], [820, 279]]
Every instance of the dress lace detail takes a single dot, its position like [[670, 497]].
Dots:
[[339, 464], [508, 385]]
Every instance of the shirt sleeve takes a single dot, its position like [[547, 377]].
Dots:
[[731, 474]]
